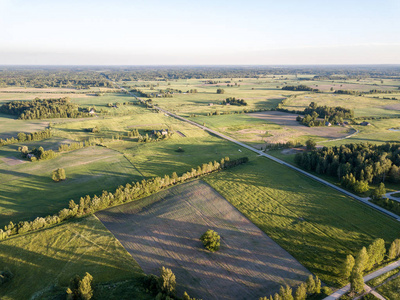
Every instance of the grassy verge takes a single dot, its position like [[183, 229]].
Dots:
[[390, 290], [380, 279]]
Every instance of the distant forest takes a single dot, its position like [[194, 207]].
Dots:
[[43, 109], [85, 77]]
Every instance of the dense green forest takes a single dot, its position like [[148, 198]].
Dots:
[[86, 77], [43, 109], [355, 164]]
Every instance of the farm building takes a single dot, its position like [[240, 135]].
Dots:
[[162, 131], [328, 123], [92, 111]]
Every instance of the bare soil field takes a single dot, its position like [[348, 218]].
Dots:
[[164, 230], [351, 86], [393, 106], [289, 120], [12, 161]]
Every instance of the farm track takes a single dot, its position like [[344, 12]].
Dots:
[[277, 160]]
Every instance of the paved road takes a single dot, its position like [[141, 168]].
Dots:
[[279, 161], [389, 196], [337, 294], [261, 153]]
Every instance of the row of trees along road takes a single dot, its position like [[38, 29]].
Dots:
[[353, 269]]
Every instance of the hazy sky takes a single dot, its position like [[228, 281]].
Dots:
[[199, 32]]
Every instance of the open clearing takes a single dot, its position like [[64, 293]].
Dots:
[[57, 254], [167, 231], [289, 121]]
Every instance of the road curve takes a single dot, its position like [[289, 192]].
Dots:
[[279, 161]]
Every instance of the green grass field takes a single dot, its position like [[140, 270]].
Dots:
[[314, 223], [390, 290], [27, 190], [44, 262], [363, 106]]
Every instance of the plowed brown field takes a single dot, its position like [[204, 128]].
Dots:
[[164, 230]]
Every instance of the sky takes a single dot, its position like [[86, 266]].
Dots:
[[184, 32]]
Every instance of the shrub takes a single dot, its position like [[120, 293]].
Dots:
[[211, 240], [326, 290], [58, 175], [80, 288], [5, 276]]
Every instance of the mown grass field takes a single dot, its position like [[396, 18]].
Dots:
[[364, 106], [314, 223], [165, 228], [390, 290], [10, 127], [44, 262], [156, 158], [27, 190]]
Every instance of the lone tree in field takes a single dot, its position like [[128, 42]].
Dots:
[[220, 91], [80, 288], [211, 240], [58, 175]]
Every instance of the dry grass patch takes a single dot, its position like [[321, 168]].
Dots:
[[289, 121]]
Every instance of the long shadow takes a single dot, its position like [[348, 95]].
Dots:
[[153, 240]]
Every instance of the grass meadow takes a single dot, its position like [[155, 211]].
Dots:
[[27, 190], [43, 262], [390, 289], [314, 223]]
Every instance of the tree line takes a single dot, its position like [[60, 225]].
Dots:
[[43, 109], [363, 162], [27, 137], [130, 192], [353, 268], [300, 87], [234, 101], [307, 290]]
